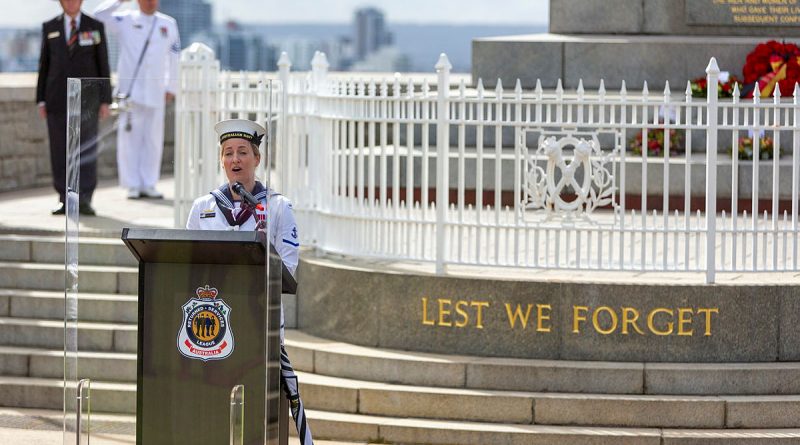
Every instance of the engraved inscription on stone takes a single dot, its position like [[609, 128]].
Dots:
[[743, 12]]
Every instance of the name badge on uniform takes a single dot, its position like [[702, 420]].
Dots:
[[53, 34]]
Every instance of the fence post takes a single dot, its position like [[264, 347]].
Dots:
[[196, 161], [318, 149], [443, 68], [319, 68], [795, 173], [281, 152], [712, 78]]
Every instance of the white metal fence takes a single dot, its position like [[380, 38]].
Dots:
[[432, 170]]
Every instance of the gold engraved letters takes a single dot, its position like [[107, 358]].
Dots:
[[544, 318]]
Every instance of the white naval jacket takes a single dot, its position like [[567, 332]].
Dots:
[[158, 73], [205, 215]]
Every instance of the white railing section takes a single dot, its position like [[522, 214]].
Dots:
[[406, 168]]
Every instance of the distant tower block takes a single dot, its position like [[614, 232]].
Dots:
[[193, 16], [370, 32], [635, 40]]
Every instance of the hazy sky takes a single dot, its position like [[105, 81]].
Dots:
[[521, 12]]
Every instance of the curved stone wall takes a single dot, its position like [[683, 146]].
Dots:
[[637, 322]]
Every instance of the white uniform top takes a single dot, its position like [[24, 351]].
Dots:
[[205, 215], [158, 73]]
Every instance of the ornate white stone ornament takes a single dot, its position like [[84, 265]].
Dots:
[[568, 185]]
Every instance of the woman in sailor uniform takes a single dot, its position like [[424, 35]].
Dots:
[[222, 209]]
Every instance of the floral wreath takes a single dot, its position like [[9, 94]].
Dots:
[[699, 87], [769, 64]]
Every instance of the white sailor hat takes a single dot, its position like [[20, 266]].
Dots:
[[239, 128]]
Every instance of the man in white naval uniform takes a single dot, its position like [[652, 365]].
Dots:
[[149, 53], [222, 209]]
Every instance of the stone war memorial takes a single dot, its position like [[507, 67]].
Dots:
[[593, 239], [635, 40]]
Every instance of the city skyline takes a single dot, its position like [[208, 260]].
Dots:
[[512, 12]]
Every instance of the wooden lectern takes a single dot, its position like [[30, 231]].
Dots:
[[209, 319]]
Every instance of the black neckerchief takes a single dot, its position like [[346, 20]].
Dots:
[[225, 203]]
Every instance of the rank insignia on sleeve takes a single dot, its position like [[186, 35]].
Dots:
[[205, 332]]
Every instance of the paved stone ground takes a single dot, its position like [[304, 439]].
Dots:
[[43, 427], [29, 211], [37, 437]]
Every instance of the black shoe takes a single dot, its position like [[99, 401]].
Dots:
[[61, 209], [84, 208]]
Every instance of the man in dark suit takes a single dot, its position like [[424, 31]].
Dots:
[[73, 45]]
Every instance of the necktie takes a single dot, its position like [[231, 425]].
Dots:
[[73, 36]]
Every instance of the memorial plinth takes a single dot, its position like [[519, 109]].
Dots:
[[635, 41], [625, 318]]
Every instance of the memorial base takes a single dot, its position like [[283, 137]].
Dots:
[[569, 315], [612, 58]]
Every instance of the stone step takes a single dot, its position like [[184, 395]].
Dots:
[[49, 363], [107, 429], [50, 276], [30, 392], [513, 407], [374, 429], [344, 396], [45, 426], [50, 249], [601, 410], [92, 336], [28, 303], [337, 359], [121, 428]]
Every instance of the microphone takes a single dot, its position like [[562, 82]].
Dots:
[[241, 191]]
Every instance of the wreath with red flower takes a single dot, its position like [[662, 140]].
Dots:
[[655, 142], [724, 89], [769, 64]]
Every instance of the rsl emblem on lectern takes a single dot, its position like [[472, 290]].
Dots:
[[205, 333]]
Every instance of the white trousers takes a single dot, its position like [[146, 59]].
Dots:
[[139, 150]]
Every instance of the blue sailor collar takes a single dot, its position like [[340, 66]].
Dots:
[[223, 193], [224, 199]]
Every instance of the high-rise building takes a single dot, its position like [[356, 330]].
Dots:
[[193, 16], [239, 49], [370, 32], [19, 50]]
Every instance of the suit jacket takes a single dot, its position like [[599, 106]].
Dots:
[[88, 60]]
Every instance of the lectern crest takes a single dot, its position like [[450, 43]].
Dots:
[[205, 332]]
